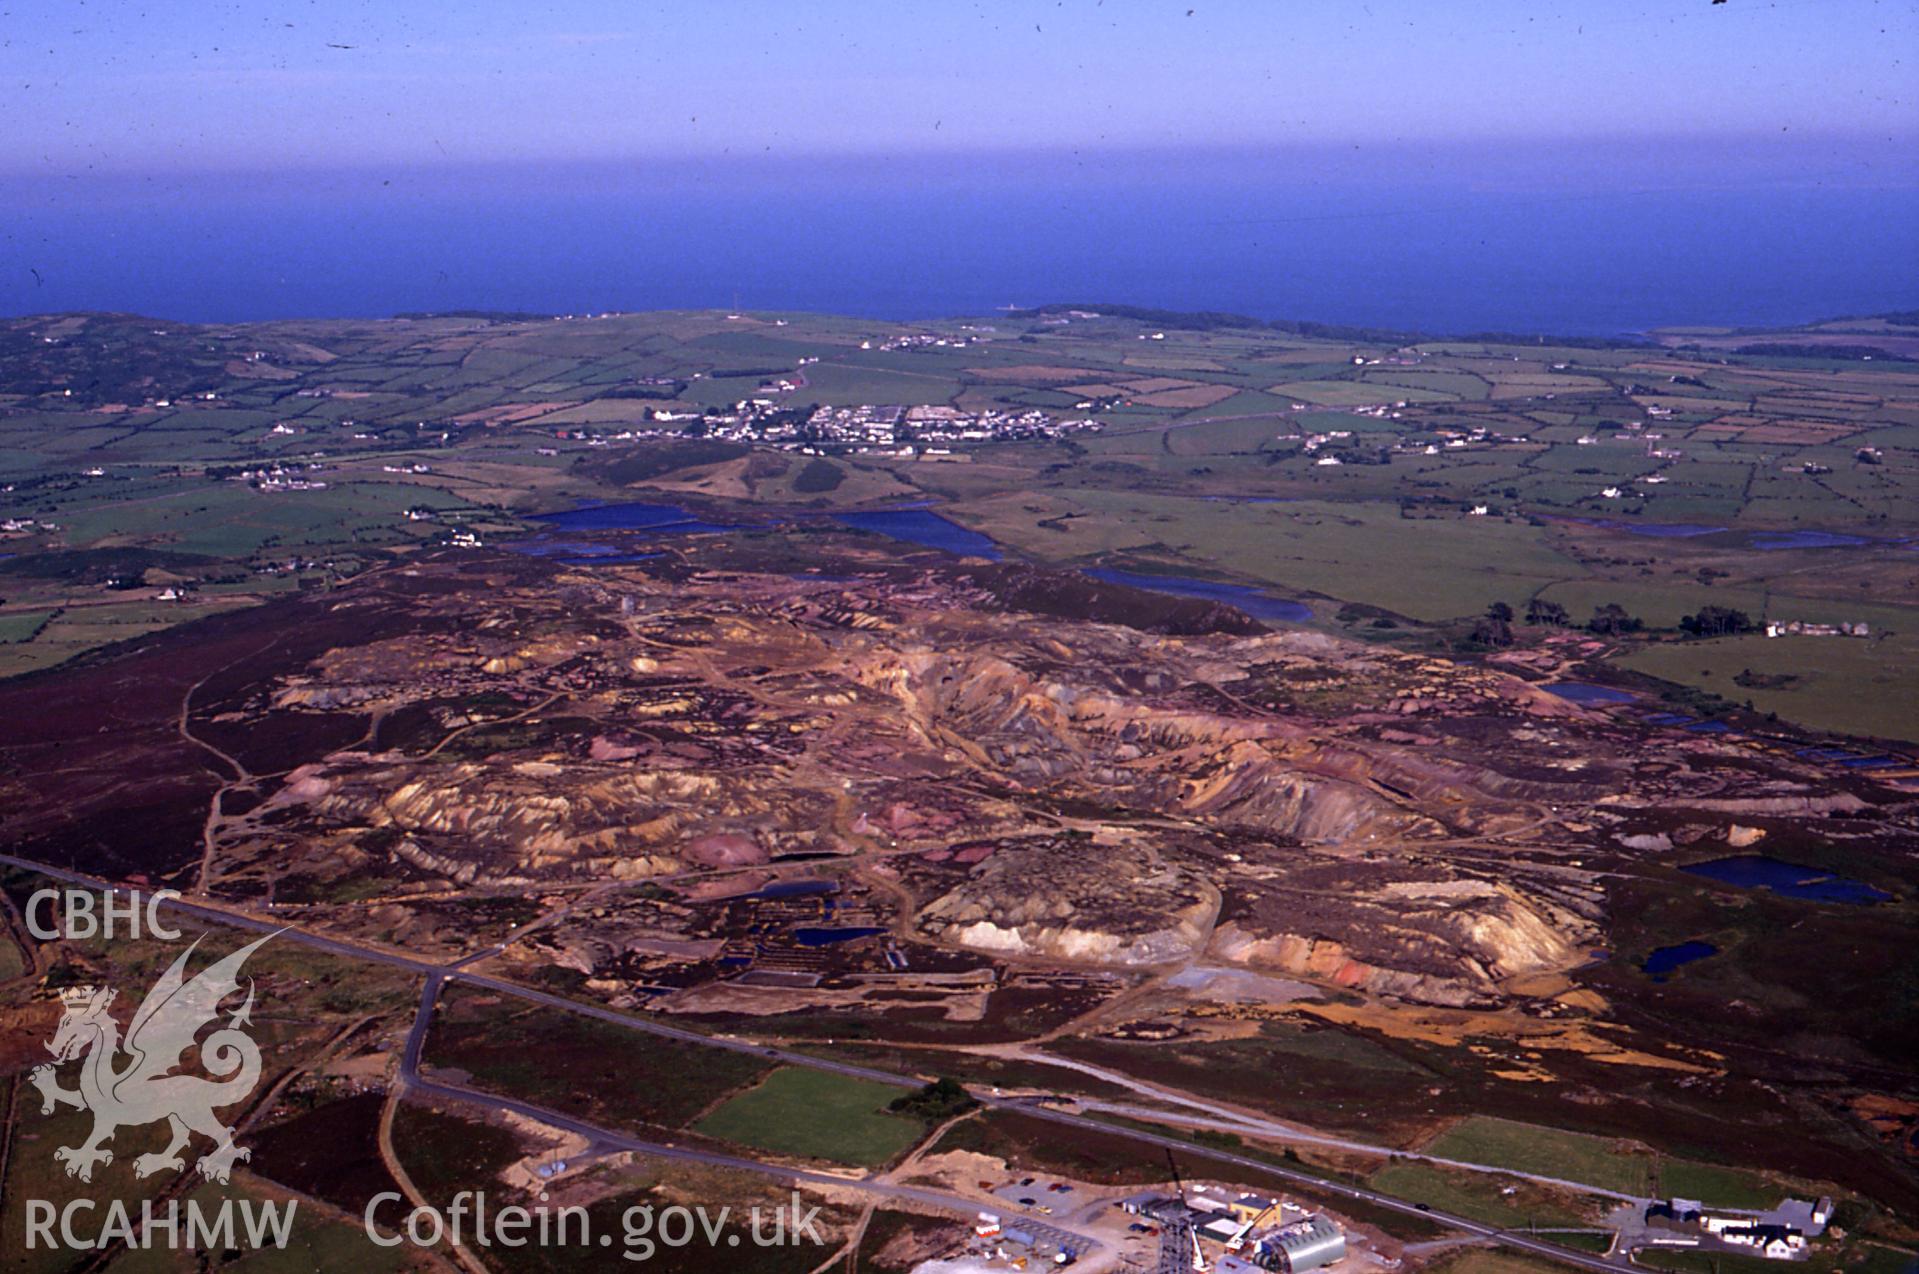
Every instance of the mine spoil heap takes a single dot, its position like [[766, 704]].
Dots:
[[1289, 802]]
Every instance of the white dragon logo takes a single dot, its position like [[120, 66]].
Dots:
[[145, 1090]]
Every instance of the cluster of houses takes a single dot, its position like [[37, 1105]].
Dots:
[[932, 430], [1633, 435], [922, 340], [161, 404], [1797, 628], [858, 427], [280, 477], [869, 429], [1778, 1234], [1440, 440]]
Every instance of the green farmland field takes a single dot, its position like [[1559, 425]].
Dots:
[[1546, 1152], [817, 1115]]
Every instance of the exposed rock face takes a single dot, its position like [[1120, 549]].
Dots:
[[1080, 790], [1439, 939], [1096, 904], [476, 820], [1053, 729]]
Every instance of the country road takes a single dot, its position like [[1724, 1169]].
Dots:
[[601, 1139], [1226, 1117], [436, 975]]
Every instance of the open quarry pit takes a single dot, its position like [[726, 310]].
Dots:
[[888, 803]]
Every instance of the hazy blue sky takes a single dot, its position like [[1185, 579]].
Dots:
[[141, 85]]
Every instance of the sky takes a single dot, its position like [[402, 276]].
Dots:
[[127, 87]]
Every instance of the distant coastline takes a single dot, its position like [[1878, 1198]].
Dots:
[[1611, 264], [1891, 336]]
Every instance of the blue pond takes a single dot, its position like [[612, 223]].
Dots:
[[916, 525], [1255, 603], [633, 517], [1658, 530], [1665, 959], [1669, 530], [793, 889], [1764, 541], [1804, 540], [923, 526], [815, 937], [1754, 871], [1584, 692]]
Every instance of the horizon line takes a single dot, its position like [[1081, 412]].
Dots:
[[1902, 145], [1161, 316]]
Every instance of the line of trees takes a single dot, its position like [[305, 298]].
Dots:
[[1494, 628], [1716, 621], [1610, 619]]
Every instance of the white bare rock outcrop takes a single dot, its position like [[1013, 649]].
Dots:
[[1070, 900], [1433, 941]]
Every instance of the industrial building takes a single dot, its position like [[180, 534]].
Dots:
[[1301, 1246], [1247, 1231]]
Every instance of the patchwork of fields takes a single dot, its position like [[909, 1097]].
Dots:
[[1345, 468]]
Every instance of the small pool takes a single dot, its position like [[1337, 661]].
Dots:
[[668, 519], [1658, 530], [1766, 541], [1664, 960], [792, 889], [1755, 871], [825, 937], [1584, 692], [1258, 604], [923, 526]]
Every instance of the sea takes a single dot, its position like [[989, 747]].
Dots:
[[1577, 245]]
